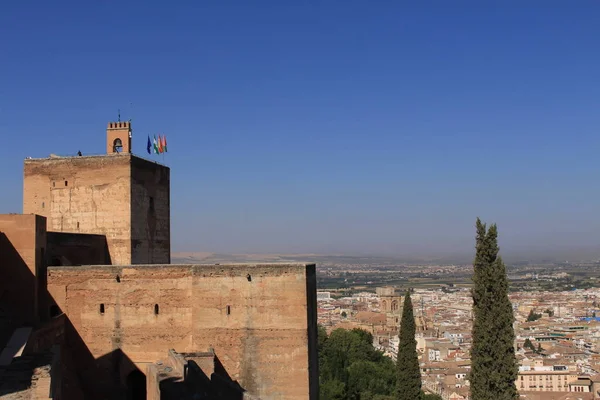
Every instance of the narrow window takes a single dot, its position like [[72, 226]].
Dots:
[[53, 184], [228, 310], [66, 183], [101, 308], [43, 204], [118, 279], [249, 277], [78, 225], [151, 204], [156, 309]]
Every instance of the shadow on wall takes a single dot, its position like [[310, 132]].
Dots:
[[75, 374], [17, 287], [76, 249], [197, 385]]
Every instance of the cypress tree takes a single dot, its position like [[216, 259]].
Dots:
[[409, 374], [493, 363]]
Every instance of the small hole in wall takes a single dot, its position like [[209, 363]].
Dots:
[[249, 277], [78, 225], [66, 183], [43, 204], [228, 310], [118, 278], [53, 184], [102, 308], [156, 309]]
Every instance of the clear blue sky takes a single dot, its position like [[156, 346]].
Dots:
[[324, 126]]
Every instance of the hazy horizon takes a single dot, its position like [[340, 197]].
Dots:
[[558, 255]]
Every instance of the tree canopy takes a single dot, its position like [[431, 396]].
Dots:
[[352, 369]]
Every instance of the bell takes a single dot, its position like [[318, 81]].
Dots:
[[117, 145]]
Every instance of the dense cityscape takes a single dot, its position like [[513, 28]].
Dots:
[[556, 327]]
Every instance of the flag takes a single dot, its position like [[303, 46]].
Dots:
[[164, 143], [149, 146], [160, 149], [155, 146]]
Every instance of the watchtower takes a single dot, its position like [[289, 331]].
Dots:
[[118, 195], [118, 137]]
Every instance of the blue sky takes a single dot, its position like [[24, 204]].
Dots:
[[322, 126]]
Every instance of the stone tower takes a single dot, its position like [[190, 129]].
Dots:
[[119, 195], [118, 137]]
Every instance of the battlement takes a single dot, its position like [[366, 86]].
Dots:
[[118, 137], [119, 125]]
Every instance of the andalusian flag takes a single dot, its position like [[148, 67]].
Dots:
[[155, 145], [164, 143], [160, 148]]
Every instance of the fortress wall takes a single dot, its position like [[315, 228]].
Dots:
[[22, 266], [83, 195], [257, 318]]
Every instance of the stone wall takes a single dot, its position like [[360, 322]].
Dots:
[[22, 270], [150, 213], [121, 196], [83, 195], [257, 318]]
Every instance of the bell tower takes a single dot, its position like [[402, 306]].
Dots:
[[118, 137]]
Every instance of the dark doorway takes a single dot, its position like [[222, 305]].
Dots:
[[136, 385]]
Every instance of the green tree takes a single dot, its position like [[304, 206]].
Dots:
[[431, 397], [493, 363], [332, 390], [321, 340], [409, 374], [352, 369], [368, 378], [527, 344]]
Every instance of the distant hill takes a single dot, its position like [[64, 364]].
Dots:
[[521, 256]]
